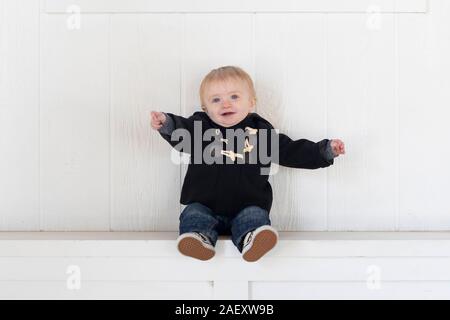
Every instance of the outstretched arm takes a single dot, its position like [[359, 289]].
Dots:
[[307, 154], [166, 123]]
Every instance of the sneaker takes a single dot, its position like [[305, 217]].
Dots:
[[258, 242], [195, 245]]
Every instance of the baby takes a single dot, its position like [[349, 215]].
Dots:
[[226, 189]]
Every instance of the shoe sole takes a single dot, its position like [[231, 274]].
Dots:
[[263, 243], [192, 247]]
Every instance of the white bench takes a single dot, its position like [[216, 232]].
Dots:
[[146, 265]]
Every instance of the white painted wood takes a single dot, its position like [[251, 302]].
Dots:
[[290, 64], [78, 153], [230, 290], [75, 124], [305, 265], [211, 41], [145, 76], [163, 244], [139, 6], [423, 95], [226, 269], [388, 290], [325, 235], [19, 115], [93, 290], [290, 248], [411, 6], [362, 187]]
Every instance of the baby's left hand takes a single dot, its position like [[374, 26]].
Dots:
[[337, 146]]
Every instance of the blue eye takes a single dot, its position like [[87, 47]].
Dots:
[[215, 100], [234, 96]]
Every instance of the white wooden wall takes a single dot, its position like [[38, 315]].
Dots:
[[77, 151]]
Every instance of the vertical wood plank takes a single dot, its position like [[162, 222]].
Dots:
[[145, 76], [211, 41], [96, 161], [361, 102], [291, 90], [75, 124], [424, 79], [19, 115]]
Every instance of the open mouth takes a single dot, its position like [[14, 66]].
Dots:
[[225, 114]]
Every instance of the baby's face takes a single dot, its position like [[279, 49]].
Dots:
[[228, 102]]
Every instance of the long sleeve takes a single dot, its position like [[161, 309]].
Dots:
[[168, 126], [174, 122], [304, 153]]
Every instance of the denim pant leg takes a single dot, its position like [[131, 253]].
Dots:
[[247, 219], [199, 218]]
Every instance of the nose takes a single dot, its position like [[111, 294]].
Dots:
[[227, 103]]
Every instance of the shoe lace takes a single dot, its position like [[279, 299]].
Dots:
[[248, 238], [204, 238]]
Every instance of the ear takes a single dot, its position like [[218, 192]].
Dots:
[[253, 104], [204, 109]]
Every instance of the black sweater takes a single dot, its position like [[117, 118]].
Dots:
[[228, 187]]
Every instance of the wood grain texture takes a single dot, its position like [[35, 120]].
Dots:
[[75, 128], [19, 115], [78, 152], [290, 64], [423, 96], [145, 76], [211, 41], [362, 188]]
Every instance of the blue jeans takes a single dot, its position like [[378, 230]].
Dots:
[[197, 217]]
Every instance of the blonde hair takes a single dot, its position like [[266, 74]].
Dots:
[[223, 74]]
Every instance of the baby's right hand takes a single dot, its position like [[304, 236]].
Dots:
[[157, 119]]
